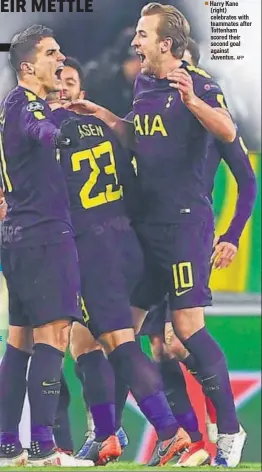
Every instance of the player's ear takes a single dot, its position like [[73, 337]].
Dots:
[[82, 95], [27, 67], [166, 45]]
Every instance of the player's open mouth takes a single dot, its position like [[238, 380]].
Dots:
[[64, 97], [58, 72], [141, 56]]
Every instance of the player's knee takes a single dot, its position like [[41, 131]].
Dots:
[[175, 349], [112, 340], [82, 341], [21, 338], [157, 347], [188, 321], [55, 334]]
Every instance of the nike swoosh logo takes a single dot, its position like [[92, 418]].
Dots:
[[50, 384], [102, 446], [162, 452], [66, 141], [178, 293]]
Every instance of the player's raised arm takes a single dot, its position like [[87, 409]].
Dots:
[[123, 129], [210, 109], [36, 125], [236, 157]]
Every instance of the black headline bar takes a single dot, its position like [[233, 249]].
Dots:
[[4, 47]]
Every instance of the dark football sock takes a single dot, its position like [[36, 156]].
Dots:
[[178, 399], [99, 392], [12, 392], [211, 367], [146, 386], [190, 363], [43, 392], [122, 391], [62, 431], [41, 439]]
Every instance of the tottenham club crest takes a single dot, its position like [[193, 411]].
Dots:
[[169, 101], [35, 106]]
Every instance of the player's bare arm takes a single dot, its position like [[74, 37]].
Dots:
[[3, 208], [3, 205], [216, 120], [123, 129]]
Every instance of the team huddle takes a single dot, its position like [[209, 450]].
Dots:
[[108, 234]]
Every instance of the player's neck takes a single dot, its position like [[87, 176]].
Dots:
[[34, 87], [168, 66]]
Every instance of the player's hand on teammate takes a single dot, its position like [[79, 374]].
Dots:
[[223, 254], [83, 107], [182, 81], [3, 208], [69, 135]]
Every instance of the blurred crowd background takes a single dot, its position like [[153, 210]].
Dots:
[[101, 42]]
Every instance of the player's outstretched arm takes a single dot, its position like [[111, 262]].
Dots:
[[38, 127], [216, 120], [236, 157], [124, 130]]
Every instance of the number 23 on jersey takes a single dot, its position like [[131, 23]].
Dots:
[[111, 192]]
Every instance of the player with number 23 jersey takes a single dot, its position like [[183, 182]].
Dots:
[[110, 257]]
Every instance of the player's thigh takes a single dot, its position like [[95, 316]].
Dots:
[[50, 283], [82, 341], [103, 283], [190, 250], [21, 337]]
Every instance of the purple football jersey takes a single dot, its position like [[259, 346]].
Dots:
[[171, 148], [92, 172], [34, 184]]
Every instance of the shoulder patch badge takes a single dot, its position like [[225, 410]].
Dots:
[[35, 106]]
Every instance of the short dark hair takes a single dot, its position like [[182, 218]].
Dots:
[[23, 44], [172, 24], [193, 48], [75, 64]]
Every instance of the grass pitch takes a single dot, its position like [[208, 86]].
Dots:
[[132, 466]]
